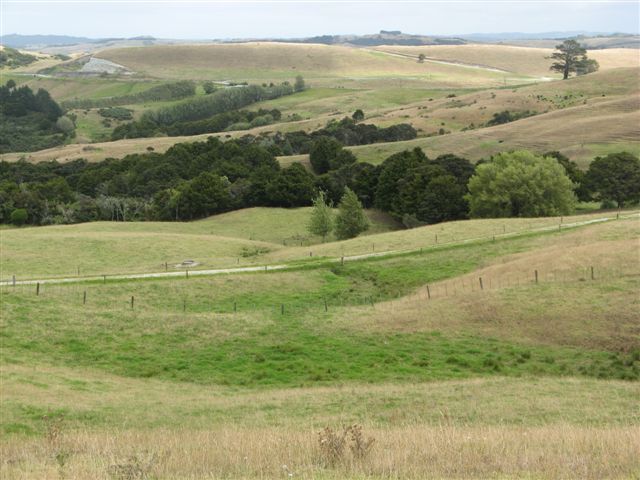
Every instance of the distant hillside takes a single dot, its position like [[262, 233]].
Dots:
[[12, 58], [27, 41], [385, 37]]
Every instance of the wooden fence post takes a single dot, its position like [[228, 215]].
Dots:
[[592, 276], [235, 307], [84, 298], [187, 272], [282, 309], [132, 300], [38, 288], [14, 280], [481, 286], [428, 293], [326, 307], [536, 274]]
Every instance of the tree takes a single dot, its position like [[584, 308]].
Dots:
[[574, 173], [571, 57], [421, 58], [65, 125], [615, 177], [520, 184], [19, 216], [321, 222], [205, 195], [358, 115], [323, 152], [351, 220], [209, 87], [299, 85], [587, 65]]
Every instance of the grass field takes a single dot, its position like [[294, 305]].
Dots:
[[582, 117], [324, 65], [522, 60], [234, 376], [252, 236]]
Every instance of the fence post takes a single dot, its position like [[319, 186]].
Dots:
[[326, 307], [14, 280], [38, 288], [341, 260], [84, 298], [187, 272], [265, 268], [436, 239], [371, 300], [592, 276], [166, 267], [184, 305], [536, 273], [373, 247], [282, 309], [132, 302], [481, 286], [104, 279], [78, 270], [428, 293], [311, 254]]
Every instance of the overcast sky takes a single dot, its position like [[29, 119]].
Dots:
[[246, 19]]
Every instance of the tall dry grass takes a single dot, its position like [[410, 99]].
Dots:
[[558, 451]]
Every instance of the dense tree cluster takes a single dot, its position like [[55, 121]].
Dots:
[[29, 121], [346, 132], [194, 180], [159, 93], [194, 115]]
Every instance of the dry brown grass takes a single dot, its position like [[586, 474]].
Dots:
[[578, 310], [557, 451], [327, 64], [523, 60]]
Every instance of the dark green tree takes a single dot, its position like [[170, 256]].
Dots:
[[323, 151], [299, 85], [19, 216], [205, 195], [358, 115], [569, 56], [351, 220], [615, 177]]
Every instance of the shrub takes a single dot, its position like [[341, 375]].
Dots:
[[19, 216]]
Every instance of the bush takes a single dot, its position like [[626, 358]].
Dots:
[[19, 216], [520, 184]]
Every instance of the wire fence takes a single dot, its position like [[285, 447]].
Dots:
[[119, 298]]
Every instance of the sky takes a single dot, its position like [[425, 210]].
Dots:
[[215, 19]]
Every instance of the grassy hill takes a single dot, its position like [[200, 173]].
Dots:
[[582, 117], [323, 65], [522, 60], [255, 365]]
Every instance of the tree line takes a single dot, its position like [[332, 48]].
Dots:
[[195, 180], [30, 121], [200, 108]]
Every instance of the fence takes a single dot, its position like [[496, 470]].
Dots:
[[102, 298]]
